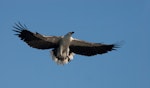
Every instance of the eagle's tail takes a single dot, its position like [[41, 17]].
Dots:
[[61, 61]]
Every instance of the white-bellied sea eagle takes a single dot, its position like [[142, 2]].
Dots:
[[63, 47]]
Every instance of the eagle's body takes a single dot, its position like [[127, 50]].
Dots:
[[62, 54], [63, 47]]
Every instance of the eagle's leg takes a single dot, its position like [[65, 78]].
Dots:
[[59, 52], [67, 53]]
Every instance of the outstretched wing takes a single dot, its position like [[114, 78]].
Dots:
[[90, 49], [36, 40]]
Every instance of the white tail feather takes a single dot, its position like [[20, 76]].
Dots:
[[62, 62]]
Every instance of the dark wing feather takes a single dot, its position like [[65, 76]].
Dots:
[[36, 40], [90, 49]]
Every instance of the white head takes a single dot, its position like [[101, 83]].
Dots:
[[69, 34]]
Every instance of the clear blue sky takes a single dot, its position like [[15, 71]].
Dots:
[[106, 21]]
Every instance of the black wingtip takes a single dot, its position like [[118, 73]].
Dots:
[[16, 31], [19, 28], [118, 45]]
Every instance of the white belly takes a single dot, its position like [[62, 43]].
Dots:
[[63, 50]]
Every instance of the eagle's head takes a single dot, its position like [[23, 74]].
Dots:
[[71, 33]]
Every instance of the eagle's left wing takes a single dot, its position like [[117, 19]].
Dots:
[[36, 40], [90, 49]]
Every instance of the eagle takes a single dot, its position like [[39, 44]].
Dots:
[[63, 48]]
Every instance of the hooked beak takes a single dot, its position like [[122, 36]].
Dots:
[[72, 32]]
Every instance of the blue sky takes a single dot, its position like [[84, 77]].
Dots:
[[106, 21]]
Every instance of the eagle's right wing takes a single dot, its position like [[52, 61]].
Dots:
[[90, 49], [36, 40]]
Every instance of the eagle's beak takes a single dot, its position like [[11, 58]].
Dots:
[[72, 32]]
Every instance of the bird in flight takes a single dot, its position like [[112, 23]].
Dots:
[[63, 47]]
